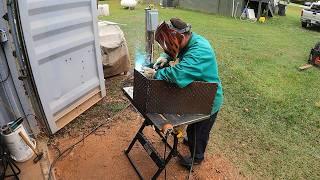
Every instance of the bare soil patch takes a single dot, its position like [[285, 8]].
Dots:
[[101, 155]]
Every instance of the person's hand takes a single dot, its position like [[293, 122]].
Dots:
[[173, 63], [149, 72], [161, 61]]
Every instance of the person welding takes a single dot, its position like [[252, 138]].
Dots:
[[196, 62]]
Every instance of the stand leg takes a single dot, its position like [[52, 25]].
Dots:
[[7, 161], [127, 151], [155, 156], [172, 153], [135, 138], [176, 153], [15, 174]]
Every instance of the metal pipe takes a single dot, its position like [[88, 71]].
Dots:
[[146, 29], [232, 14]]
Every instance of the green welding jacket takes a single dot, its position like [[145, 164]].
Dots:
[[197, 63]]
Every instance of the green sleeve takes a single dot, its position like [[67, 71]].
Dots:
[[164, 55], [183, 73]]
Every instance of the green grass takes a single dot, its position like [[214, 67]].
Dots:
[[278, 136]]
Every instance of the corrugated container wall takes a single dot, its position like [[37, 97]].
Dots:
[[14, 102], [61, 39], [223, 7]]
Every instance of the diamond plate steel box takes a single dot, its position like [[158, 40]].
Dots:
[[156, 96]]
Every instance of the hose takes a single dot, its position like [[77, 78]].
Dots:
[[84, 137], [8, 71], [235, 11], [164, 155], [194, 151]]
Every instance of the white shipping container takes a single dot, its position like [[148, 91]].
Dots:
[[61, 38]]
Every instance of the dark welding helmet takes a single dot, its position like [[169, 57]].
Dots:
[[169, 35]]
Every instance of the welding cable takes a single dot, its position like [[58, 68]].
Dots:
[[165, 151], [8, 108], [8, 71], [194, 151], [164, 156], [82, 139]]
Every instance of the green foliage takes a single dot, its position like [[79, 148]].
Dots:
[[270, 122]]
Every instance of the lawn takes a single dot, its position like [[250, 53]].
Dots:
[[269, 126]]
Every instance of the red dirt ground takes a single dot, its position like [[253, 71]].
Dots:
[[101, 156]]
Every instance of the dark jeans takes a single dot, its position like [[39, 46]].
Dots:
[[198, 134]]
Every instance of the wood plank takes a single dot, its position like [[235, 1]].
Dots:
[[75, 112], [304, 67], [62, 113]]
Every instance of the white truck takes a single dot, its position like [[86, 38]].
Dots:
[[311, 16]]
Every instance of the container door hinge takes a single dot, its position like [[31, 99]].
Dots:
[[5, 17], [3, 36]]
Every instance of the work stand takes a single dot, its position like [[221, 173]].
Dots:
[[160, 161], [157, 121], [6, 163]]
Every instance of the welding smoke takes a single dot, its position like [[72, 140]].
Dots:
[[140, 60]]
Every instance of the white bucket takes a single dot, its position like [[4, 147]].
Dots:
[[19, 150], [103, 10]]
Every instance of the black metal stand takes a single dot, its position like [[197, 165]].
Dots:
[[151, 151], [7, 162], [158, 120]]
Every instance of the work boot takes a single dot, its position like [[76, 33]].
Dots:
[[187, 162]]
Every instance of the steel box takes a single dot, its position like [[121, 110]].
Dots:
[[156, 96]]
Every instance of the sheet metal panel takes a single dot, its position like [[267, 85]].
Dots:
[[64, 54], [240, 8], [222, 7], [225, 7], [209, 6], [156, 96], [14, 98], [10, 107]]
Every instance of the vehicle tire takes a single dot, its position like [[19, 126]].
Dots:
[[304, 24]]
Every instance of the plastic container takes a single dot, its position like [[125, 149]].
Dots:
[[19, 150], [103, 10]]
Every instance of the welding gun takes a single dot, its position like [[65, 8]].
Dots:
[[161, 62]]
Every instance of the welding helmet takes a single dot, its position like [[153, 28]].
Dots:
[[169, 36]]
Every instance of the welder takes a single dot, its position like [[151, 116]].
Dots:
[[196, 62]]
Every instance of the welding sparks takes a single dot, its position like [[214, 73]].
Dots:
[[140, 60]]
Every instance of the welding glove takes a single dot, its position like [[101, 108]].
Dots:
[[149, 72], [161, 61]]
